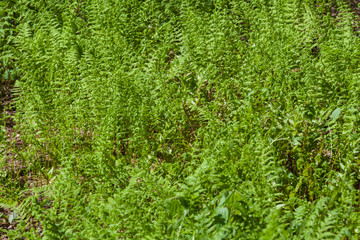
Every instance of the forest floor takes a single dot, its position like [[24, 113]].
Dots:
[[15, 170]]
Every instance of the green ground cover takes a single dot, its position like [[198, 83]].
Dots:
[[180, 119]]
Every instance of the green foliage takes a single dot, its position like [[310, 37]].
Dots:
[[188, 119]]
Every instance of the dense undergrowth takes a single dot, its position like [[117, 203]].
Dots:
[[183, 119]]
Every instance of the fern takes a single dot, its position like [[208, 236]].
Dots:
[[183, 119]]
